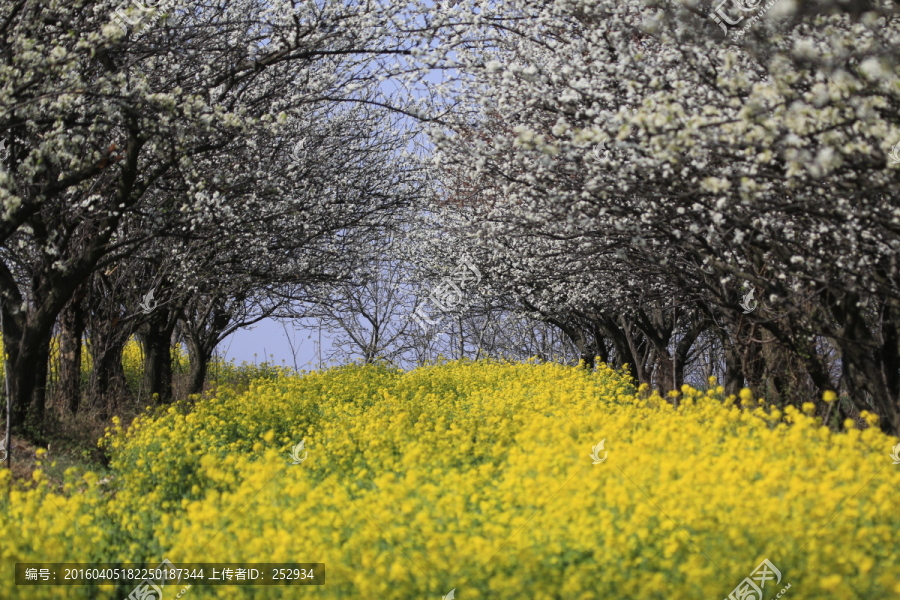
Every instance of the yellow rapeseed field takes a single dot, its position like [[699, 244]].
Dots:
[[479, 478]]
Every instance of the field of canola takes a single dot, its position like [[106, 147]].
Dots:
[[477, 477]]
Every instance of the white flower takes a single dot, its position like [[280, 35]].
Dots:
[[782, 9], [805, 48], [715, 184], [872, 68]]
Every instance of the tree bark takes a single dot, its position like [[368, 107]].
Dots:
[[38, 407], [108, 375], [28, 379], [199, 356], [683, 348], [71, 326], [890, 357], [734, 375], [26, 337], [862, 362], [157, 341], [628, 348]]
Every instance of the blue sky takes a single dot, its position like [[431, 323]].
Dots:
[[271, 337]]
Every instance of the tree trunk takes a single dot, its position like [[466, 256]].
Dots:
[[890, 359], [28, 379], [602, 350], [752, 363], [199, 356], [108, 376], [589, 361], [157, 341], [683, 348], [629, 349], [734, 375], [862, 366], [39, 396], [663, 369], [71, 325]]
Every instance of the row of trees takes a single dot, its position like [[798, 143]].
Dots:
[[625, 172], [193, 175], [678, 201], [622, 178]]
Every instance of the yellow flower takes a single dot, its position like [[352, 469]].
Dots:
[[482, 468]]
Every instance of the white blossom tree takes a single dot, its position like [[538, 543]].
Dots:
[[645, 160], [114, 131]]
